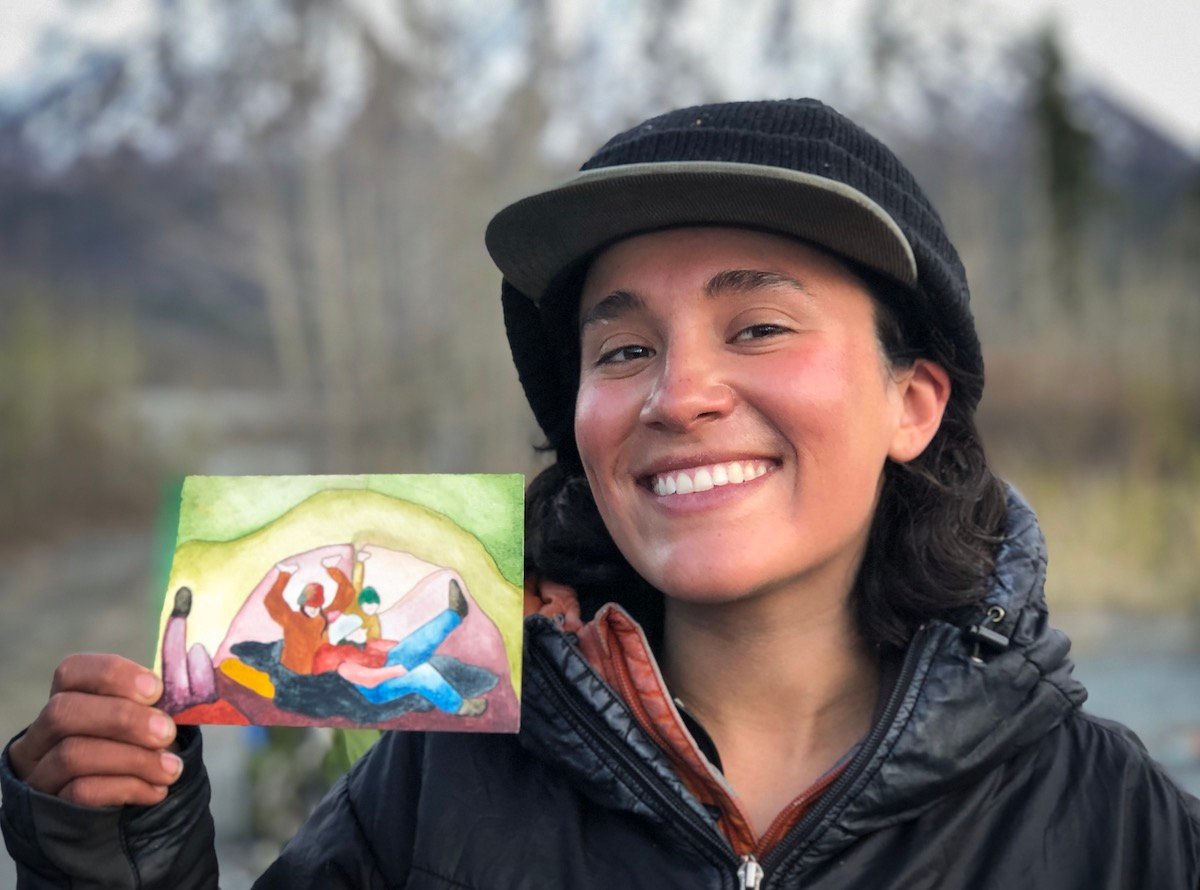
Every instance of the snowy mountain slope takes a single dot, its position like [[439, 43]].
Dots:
[[227, 80]]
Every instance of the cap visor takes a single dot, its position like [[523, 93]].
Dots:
[[534, 239]]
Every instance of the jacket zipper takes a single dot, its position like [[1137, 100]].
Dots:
[[792, 842], [750, 872], [584, 719]]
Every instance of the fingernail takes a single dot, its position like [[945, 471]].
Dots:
[[160, 727], [147, 685], [172, 764]]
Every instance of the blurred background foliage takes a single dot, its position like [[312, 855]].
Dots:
[[249, 240]]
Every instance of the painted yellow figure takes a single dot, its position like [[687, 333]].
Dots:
[[366, 602]]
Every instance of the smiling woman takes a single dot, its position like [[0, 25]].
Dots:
[[725, 358], [789, 318], [785, 626]]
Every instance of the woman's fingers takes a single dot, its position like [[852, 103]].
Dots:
[[103, 697], [79, 758], [98, 741], [106, 675], [98, 750], [97, 716]]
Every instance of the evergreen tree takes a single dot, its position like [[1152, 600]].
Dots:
[[1066, 151]]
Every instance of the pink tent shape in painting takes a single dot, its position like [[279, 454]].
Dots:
[[399, 643]]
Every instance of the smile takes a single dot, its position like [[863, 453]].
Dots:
[[697, 479]]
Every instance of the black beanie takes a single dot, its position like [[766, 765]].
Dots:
[[795, 167]]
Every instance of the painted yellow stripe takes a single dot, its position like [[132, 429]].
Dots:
[[244, 675]]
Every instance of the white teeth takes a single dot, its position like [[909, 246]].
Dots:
[[708, 477]]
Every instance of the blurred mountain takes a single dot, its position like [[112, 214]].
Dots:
[[213, 82], [1136, 160], [114, 138]]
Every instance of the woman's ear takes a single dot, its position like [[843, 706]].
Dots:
[[924, 391]]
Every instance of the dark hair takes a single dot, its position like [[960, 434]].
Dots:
[[932, 542], [941, 516]]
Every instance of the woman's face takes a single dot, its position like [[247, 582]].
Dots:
[[734, 411]]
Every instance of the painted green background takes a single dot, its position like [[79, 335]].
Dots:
[[488, 505]]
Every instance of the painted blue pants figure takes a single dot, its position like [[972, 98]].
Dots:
[[413, 653]]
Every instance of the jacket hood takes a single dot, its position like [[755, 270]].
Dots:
[[967, 707]]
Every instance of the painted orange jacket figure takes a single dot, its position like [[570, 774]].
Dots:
[[306, 628]]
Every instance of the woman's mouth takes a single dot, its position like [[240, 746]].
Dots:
[[691, 480]]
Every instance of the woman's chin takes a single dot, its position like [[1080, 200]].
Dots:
[[700, 586], [721, 577], [696, 567]]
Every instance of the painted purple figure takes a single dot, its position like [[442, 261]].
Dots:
[[188, 677]]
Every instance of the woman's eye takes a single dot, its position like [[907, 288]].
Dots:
[[624, 354], [759, 332]]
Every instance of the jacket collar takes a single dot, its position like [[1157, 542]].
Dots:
[[574, 721]]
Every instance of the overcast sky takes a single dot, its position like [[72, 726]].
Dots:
[[1147, 52]]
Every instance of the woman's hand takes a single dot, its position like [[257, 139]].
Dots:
[[98, 742]]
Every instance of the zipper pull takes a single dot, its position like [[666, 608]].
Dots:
[[749, 873]]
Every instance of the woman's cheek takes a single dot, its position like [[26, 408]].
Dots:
[[605, 412]]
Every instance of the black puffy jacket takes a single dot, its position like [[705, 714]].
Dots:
[[979, 772]]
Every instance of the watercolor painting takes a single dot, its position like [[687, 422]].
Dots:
[[389, 601]]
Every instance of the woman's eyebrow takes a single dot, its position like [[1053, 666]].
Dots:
[[613, 306], [619, 302], [746, 280]]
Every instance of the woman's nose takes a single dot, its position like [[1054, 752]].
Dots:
[[690, 390]]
